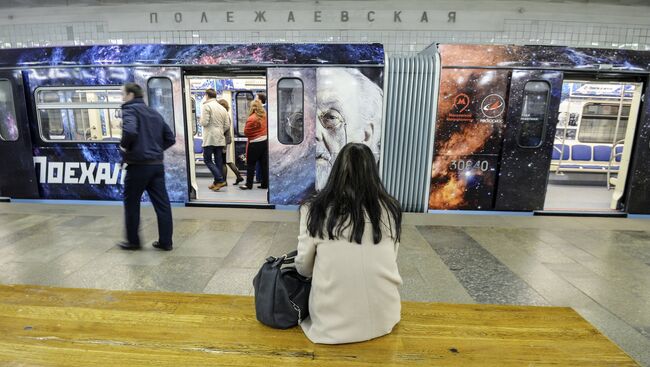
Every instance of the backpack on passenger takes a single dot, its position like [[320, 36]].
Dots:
[[281, 294]]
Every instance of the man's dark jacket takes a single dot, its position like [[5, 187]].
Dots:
[[145, 135]]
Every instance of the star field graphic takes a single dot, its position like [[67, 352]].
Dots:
[[94, 152], [639, 193], [235, 54], [468, 139], [524, 167], [522, 174], [107, 69], [511, 56]]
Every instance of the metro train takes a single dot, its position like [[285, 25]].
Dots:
[[500, 121]]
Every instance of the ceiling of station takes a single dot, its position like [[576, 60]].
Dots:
[[40, 3]]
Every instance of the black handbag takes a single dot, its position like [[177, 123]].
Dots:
[[281, 294]]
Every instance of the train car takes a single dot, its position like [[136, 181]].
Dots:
[[459, 127], [541, 128], [60, 118]]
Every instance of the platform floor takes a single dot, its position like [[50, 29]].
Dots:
[[44, 326], [598, 266]]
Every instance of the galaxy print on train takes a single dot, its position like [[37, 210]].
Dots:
[[510, 56], [469, 126], [242, 54], [8, 121], [639, 187], [522, 172], [528, 140], [292, 167], [92, 170]]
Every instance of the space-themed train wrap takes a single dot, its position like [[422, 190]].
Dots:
[[92, 170], [8, 120], [479, 162], [231, 54], [341, 105], [546, 57], [639, 186], [534, 102], [292, 132], [469, 129]]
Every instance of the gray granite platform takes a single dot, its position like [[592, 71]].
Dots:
[[598, 266]]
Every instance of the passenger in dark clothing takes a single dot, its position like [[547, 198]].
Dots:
[[145, 136]]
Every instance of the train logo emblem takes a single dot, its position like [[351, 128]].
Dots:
[[493, 106], [461, 102]]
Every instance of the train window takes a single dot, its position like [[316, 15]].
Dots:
[[533, 114], [79, 114], [161, 99], [598, 124], [243, 100], [290, 111], [8, 121]]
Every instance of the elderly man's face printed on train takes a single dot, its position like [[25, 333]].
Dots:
[[349, 111]]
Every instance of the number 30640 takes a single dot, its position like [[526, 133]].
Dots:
[[462, 165]]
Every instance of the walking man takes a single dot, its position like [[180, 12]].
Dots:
[[214, 119], [145, 137]]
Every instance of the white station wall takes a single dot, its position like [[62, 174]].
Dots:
[[404, 27]]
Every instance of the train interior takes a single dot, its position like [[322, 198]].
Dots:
[[239, 91], [592, 147]]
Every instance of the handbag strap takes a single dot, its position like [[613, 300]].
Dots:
[[288, 258]]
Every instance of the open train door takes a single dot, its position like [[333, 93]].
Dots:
[[292, 134], [528, 139], [638, 191], [17, 173]]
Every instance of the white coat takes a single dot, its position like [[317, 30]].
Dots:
[[354, 295], [214, 119]]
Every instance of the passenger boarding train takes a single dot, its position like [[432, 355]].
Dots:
[[511, 126]]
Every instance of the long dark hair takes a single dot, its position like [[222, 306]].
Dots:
[[353, 190]]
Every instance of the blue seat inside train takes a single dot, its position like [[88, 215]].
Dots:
[[618, 150], [587, 157], [602, 153], [581, 152], [556, 152], [198, 149]]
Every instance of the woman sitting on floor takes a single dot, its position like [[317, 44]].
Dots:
[[349, 236]]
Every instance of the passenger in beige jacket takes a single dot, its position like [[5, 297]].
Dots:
[[352, 257], [214, 119]]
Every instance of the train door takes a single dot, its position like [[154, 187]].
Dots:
[[238, 90], [637, 196], [292, 134], [17, 175], [592, 149], [528, 139]]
